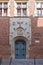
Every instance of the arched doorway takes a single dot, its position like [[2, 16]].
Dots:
[[20, 49]]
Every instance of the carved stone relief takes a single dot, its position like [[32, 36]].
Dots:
[[20, 27], [20, 31]]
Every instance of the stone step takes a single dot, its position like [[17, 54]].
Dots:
[[27, 62], [22, 62]]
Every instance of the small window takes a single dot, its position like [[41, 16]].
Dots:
[[18, 5], [3, 8], [5, 12], [24, 12], [39, 8], [39, 13], [22, 9], [18, 11], [5, 5], [24, 5]]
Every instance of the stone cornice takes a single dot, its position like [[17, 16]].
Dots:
[[4, 0]]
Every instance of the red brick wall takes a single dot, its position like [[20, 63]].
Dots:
[[36, 49], [4, 38]]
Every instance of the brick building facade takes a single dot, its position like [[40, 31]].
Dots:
[[22, 25]]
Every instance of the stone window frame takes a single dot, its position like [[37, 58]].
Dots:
[[38, 9], [27, 8], [2, 7]]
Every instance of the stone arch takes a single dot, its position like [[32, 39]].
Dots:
[[13, 45]]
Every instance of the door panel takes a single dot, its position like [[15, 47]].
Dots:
[[20, 49]]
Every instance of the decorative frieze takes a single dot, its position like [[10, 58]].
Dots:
[[20, 27]]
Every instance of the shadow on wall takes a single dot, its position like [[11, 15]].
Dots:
[[36, 48]]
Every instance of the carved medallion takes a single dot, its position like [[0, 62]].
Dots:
[[20, 31]]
